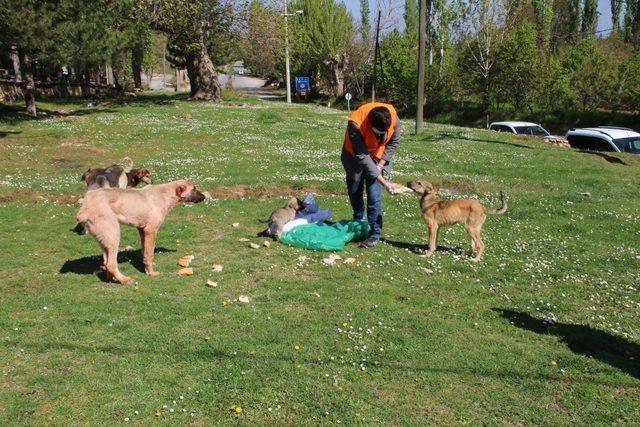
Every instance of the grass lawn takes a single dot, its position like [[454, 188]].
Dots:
[[546, 330]]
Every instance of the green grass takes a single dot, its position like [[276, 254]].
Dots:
[[461, 344]]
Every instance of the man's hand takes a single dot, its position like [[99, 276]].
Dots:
[[391, 187]]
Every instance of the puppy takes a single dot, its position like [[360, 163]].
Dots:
[[438, 213], [104, 209], [281, 216], [116, 176]]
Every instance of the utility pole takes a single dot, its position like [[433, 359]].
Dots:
[[421, 54], [286, 51], [376, 53], [286, 46]]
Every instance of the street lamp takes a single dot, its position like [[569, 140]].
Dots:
[[286, 46]]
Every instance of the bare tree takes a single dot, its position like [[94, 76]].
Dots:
[[482, 27]]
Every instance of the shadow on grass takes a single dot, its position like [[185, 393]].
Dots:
[[585, 340], [608, 158], [93, 264], [420, 249], [13, 114], [4, 133], [458, 135]]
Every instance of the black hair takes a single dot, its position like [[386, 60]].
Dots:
[[380, 118]]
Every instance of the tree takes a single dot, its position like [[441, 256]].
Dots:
[[616, 11], [411, 18], [264, 43], [28, 27], [518, 69], [365, 19], [589, 18], [543, 13], [193, 27], [632, 22], [566, 23], [591, 74], [321, 38], [482, 27], [400, 64]]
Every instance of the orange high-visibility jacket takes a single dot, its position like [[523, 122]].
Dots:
[[361, 118]]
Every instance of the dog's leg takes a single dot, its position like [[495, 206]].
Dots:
[[148, 238], [110, 242], [433, 237], [472, 248], [478, 243]]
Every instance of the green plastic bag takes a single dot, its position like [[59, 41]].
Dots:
[[325, 236]]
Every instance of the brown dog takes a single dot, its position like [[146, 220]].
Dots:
[[104, 209], [437, 213], [281, 216], [115, 176]]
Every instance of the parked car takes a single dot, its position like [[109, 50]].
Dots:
[[520, 128], [528, 128], [605, 138]]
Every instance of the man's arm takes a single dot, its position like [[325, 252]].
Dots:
[[360, 151], [392, 144], [361, 154]]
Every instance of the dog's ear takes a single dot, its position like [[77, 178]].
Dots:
[[183, 190], [85, 175], [293, 203], [429, 187]]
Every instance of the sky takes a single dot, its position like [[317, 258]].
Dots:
[[604, 7]]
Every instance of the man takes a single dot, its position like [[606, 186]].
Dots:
[[373, 134]]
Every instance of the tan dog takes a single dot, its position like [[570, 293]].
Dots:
[[437, 213], [104, 209]]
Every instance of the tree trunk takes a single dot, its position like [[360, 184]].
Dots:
[[28, 86], [15, 60], [337, 70], [137, 55], [203, 76]]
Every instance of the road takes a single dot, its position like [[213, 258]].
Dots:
[[247, 84]]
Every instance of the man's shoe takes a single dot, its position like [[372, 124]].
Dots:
[[369, 243]]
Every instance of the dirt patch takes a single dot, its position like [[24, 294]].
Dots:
[[239, 192], [35, 196], [75, 142], [72, 141]]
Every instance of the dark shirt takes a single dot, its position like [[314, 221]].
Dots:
[[361, 159]]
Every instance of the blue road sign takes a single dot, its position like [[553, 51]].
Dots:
[[302, 84]]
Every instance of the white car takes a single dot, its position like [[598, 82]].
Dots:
[[605, 138], [520, 128]]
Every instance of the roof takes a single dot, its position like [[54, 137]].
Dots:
[[515, 124], [612, 132]]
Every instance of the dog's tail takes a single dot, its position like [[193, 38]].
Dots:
[[127, 164], [503, 207]]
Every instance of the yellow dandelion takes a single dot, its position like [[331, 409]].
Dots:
[[297, 348], [553, 363]]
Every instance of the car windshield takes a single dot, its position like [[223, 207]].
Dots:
[[531, 130], [628, 145]]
